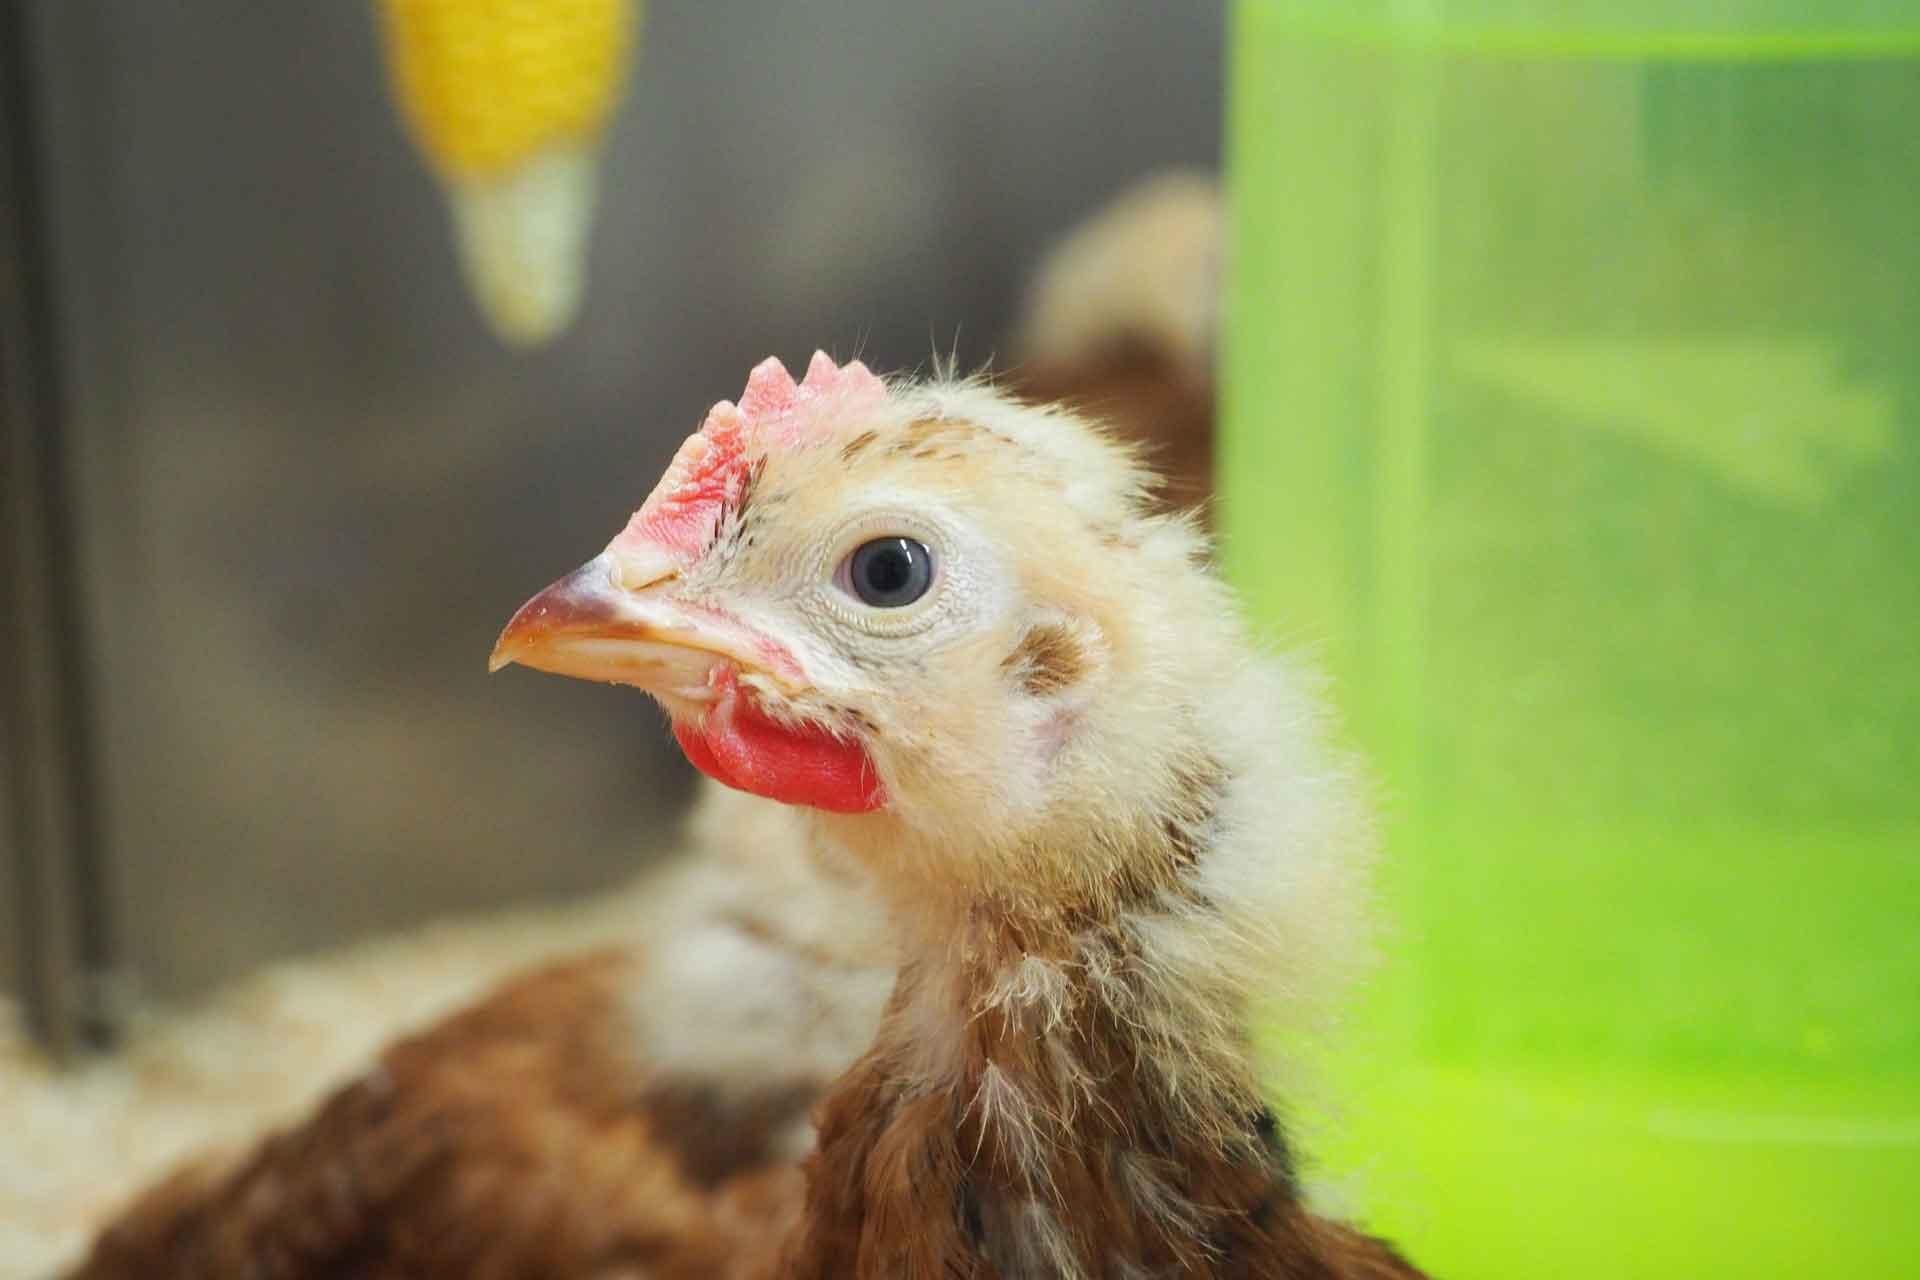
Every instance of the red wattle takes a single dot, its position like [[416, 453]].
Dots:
[[738, 745]]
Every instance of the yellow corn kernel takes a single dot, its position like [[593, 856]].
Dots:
[[487, 84]]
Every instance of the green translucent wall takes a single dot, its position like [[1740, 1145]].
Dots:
[[1573, 419]]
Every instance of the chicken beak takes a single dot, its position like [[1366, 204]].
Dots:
[[616, 619]]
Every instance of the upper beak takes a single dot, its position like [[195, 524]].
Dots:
[[618, 621]]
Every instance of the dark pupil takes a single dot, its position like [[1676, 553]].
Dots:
[[891, 571], [887, 570]]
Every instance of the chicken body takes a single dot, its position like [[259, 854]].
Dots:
[[952, 632], [637, 1111]]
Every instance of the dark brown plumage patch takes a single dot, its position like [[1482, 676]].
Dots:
[[1048, 658], [733, 515], [716, 1137], [919, 434], [1200, 787], [941, 438], [858, 445]]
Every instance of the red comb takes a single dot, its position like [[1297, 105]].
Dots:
[[710, 470]]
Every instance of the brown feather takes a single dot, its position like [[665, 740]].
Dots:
[[1140, 393], [912, 1181], [519, 1138]]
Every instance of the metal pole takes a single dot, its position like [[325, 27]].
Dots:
[[60, 907]]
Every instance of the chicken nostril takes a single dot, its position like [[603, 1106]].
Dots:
[[640, 566]]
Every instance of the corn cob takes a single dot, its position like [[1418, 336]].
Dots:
[[507, 100]]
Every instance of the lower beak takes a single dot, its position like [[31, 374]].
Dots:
[[592, 626]]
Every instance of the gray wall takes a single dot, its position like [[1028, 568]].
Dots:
[[313, 487]]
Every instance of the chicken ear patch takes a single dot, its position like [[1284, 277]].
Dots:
[[1048, 659]]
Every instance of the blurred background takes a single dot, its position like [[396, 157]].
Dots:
[[309, 485], [1570, 417]]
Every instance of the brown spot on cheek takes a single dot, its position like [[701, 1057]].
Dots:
[[1048, 658]]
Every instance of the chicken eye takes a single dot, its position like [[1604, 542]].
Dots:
[[888, 573]]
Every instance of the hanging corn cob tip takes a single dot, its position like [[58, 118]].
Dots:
[[507, 100]]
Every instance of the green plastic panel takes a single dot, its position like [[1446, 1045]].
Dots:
[[1572, 419]]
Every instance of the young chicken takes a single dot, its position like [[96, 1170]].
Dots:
[[760, 962], [950, 631], [1121, 319]]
